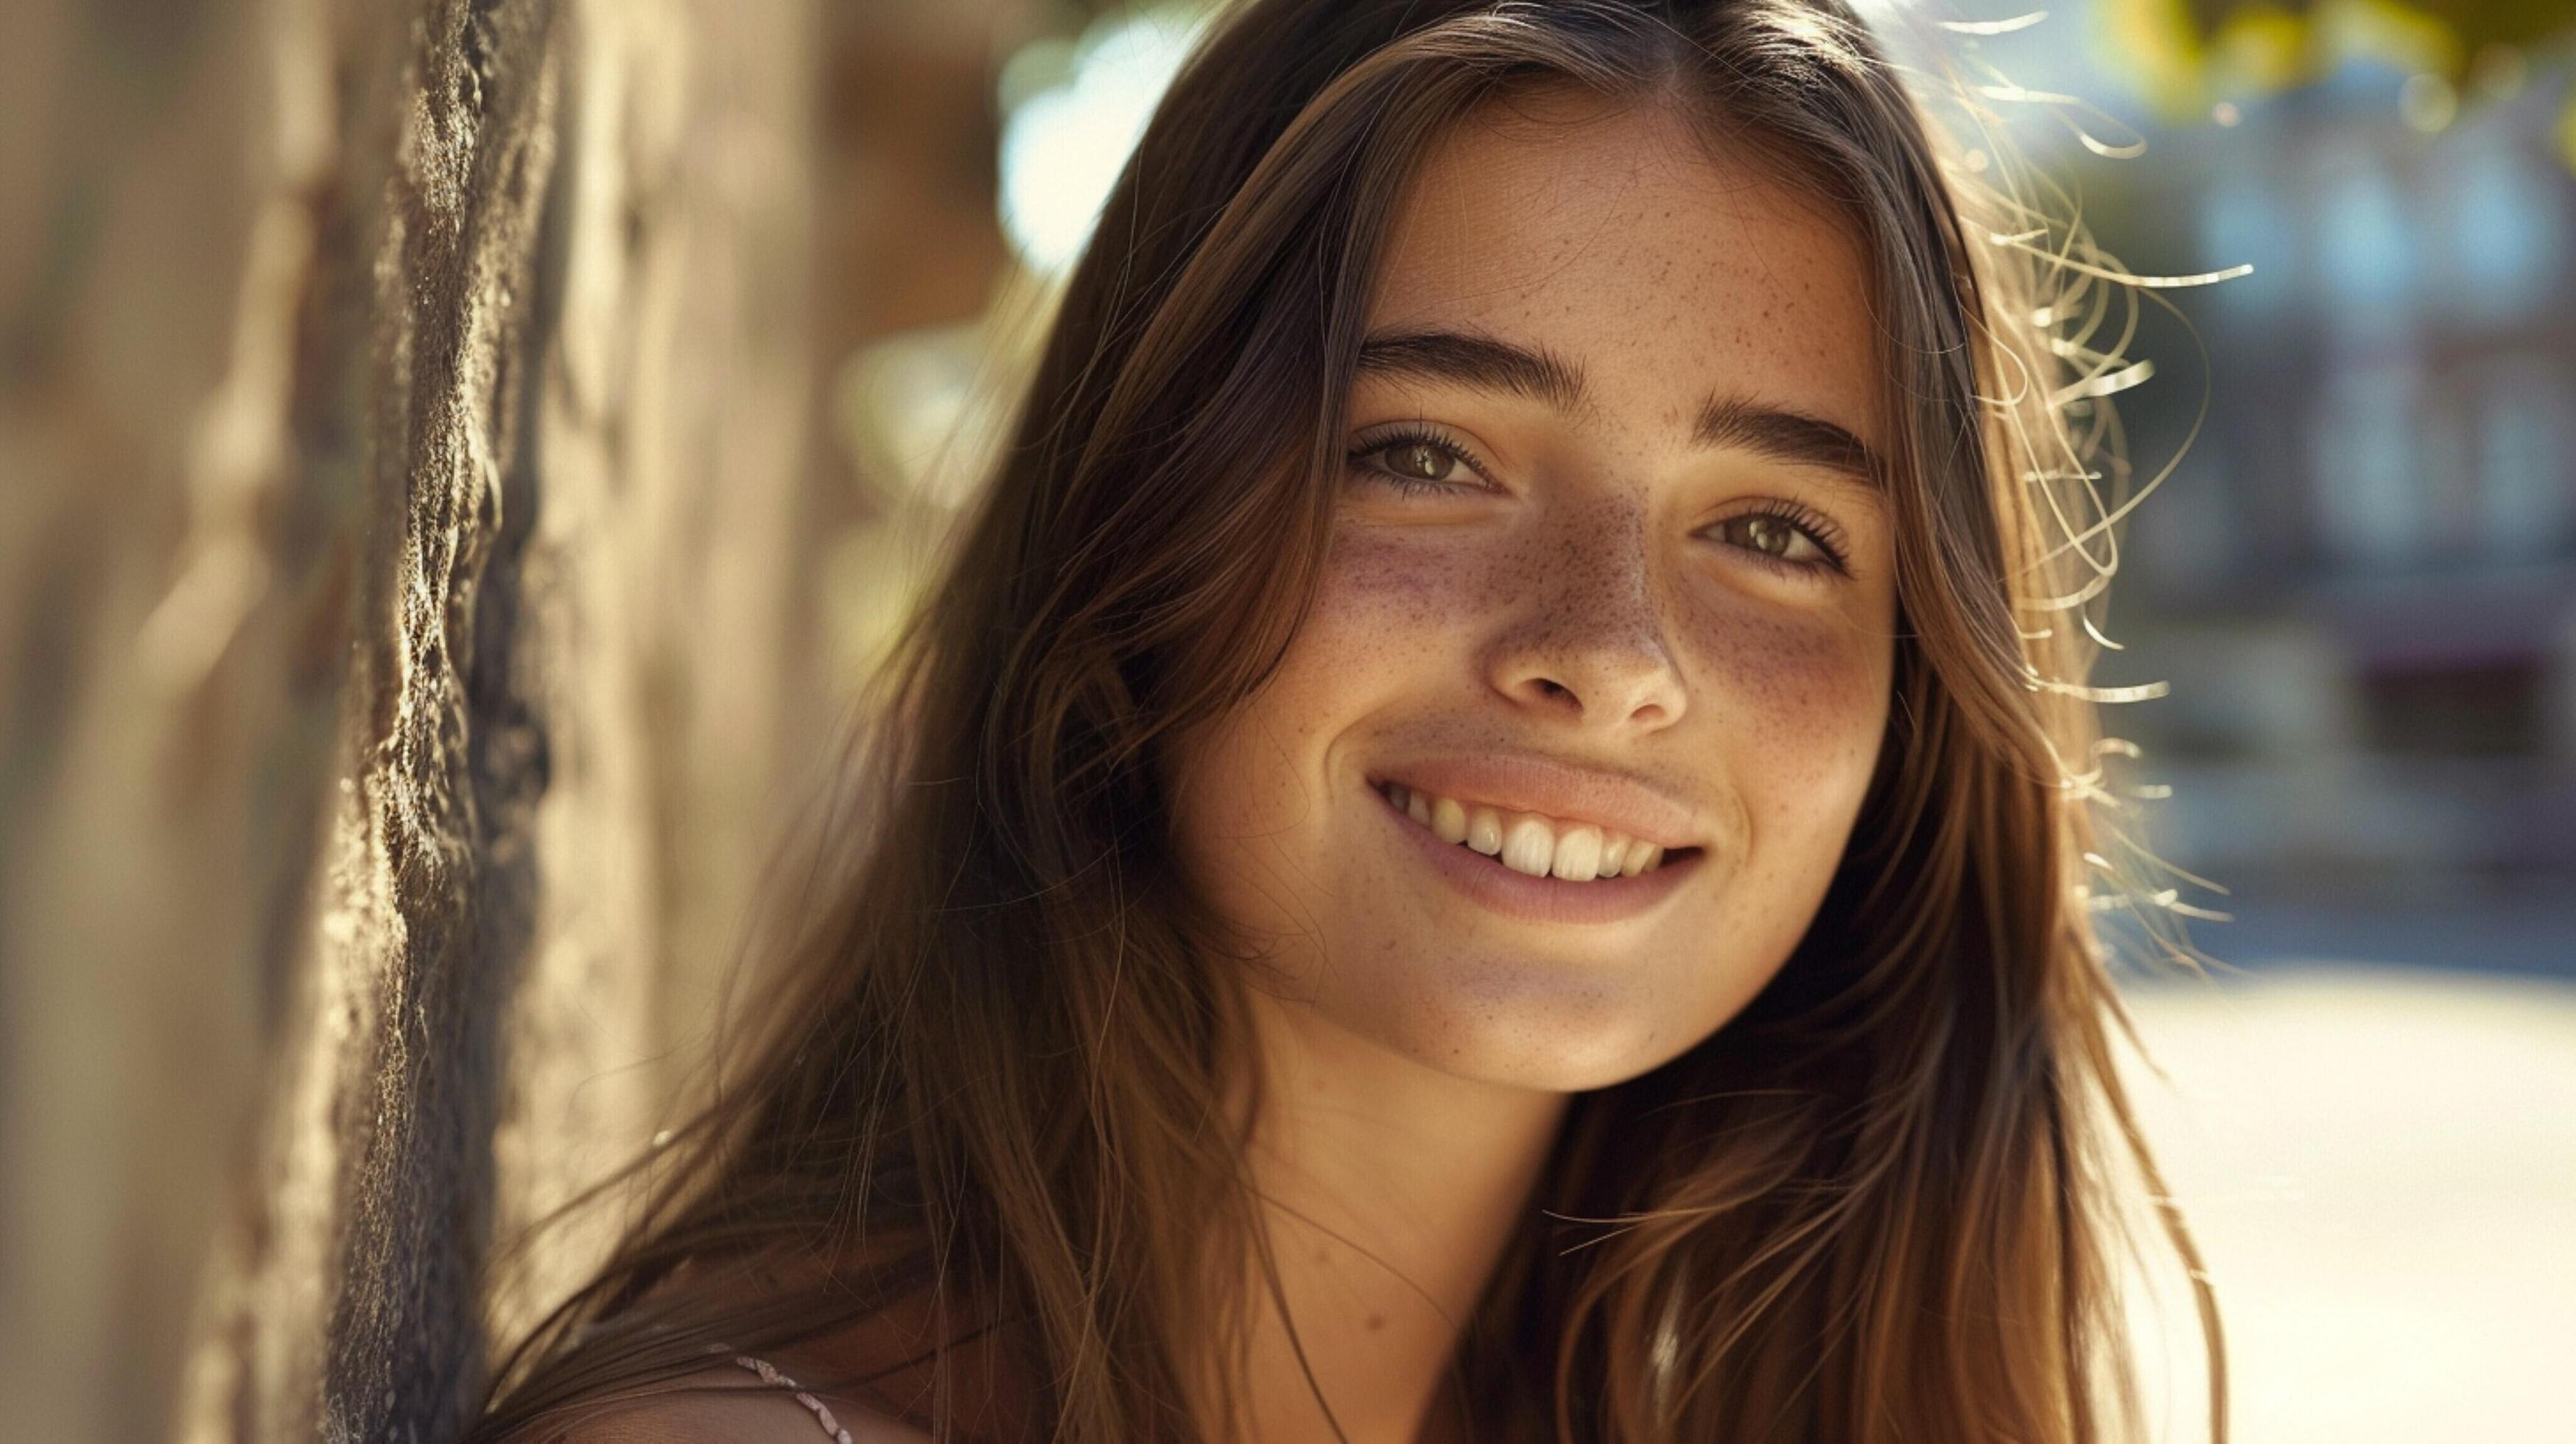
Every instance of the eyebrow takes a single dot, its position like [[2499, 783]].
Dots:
[[1490, 364], [1478, 361], [1788, 436]]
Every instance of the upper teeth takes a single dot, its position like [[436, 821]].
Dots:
[[1527, 842]]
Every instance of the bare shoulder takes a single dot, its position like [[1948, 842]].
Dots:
[[726, 1406], [914, 1361]]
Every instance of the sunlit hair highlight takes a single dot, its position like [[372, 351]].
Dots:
[[978, 1121]]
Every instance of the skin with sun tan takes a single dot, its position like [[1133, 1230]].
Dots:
[[1420, 877], [1593, 588]]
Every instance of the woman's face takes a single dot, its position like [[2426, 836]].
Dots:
[[1609, 564]]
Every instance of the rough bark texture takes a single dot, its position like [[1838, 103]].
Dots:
[[394, 807], [423, 596], [577, 468]]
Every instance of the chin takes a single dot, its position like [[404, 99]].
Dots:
[[1533, 1025]]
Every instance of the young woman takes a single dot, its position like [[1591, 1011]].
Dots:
[[1487, 836]]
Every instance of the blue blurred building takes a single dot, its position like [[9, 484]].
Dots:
[[2361, 582]]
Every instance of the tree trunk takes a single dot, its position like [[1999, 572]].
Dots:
[[424, 769], [575, 512]]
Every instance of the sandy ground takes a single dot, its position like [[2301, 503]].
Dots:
[[2380, 1166]]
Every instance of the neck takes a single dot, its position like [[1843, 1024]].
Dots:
[[1390, 1192]]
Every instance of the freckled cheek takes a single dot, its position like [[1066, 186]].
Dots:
[[1391, 597], [1803, 699], [1389, 613]]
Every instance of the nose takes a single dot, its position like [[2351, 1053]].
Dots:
[[1588, 644]]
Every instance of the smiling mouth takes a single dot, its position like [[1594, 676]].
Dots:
[[1530, 843]]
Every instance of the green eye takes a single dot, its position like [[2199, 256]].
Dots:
[[1417, 462], [1768, 535], [1784, 539]]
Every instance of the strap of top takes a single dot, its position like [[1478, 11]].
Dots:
[[769, 1374]]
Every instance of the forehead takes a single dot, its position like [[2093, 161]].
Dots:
[[1619, 239]]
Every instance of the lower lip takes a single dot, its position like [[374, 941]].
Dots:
[[1519, 896]]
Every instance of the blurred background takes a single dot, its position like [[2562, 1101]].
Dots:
[[739, 311]]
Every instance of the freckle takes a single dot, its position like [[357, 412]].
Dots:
[[1376, 1322]]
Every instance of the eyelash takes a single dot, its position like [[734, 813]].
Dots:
[[1818, 528]]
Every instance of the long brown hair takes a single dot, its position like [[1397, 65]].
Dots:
[[978, 1109]]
